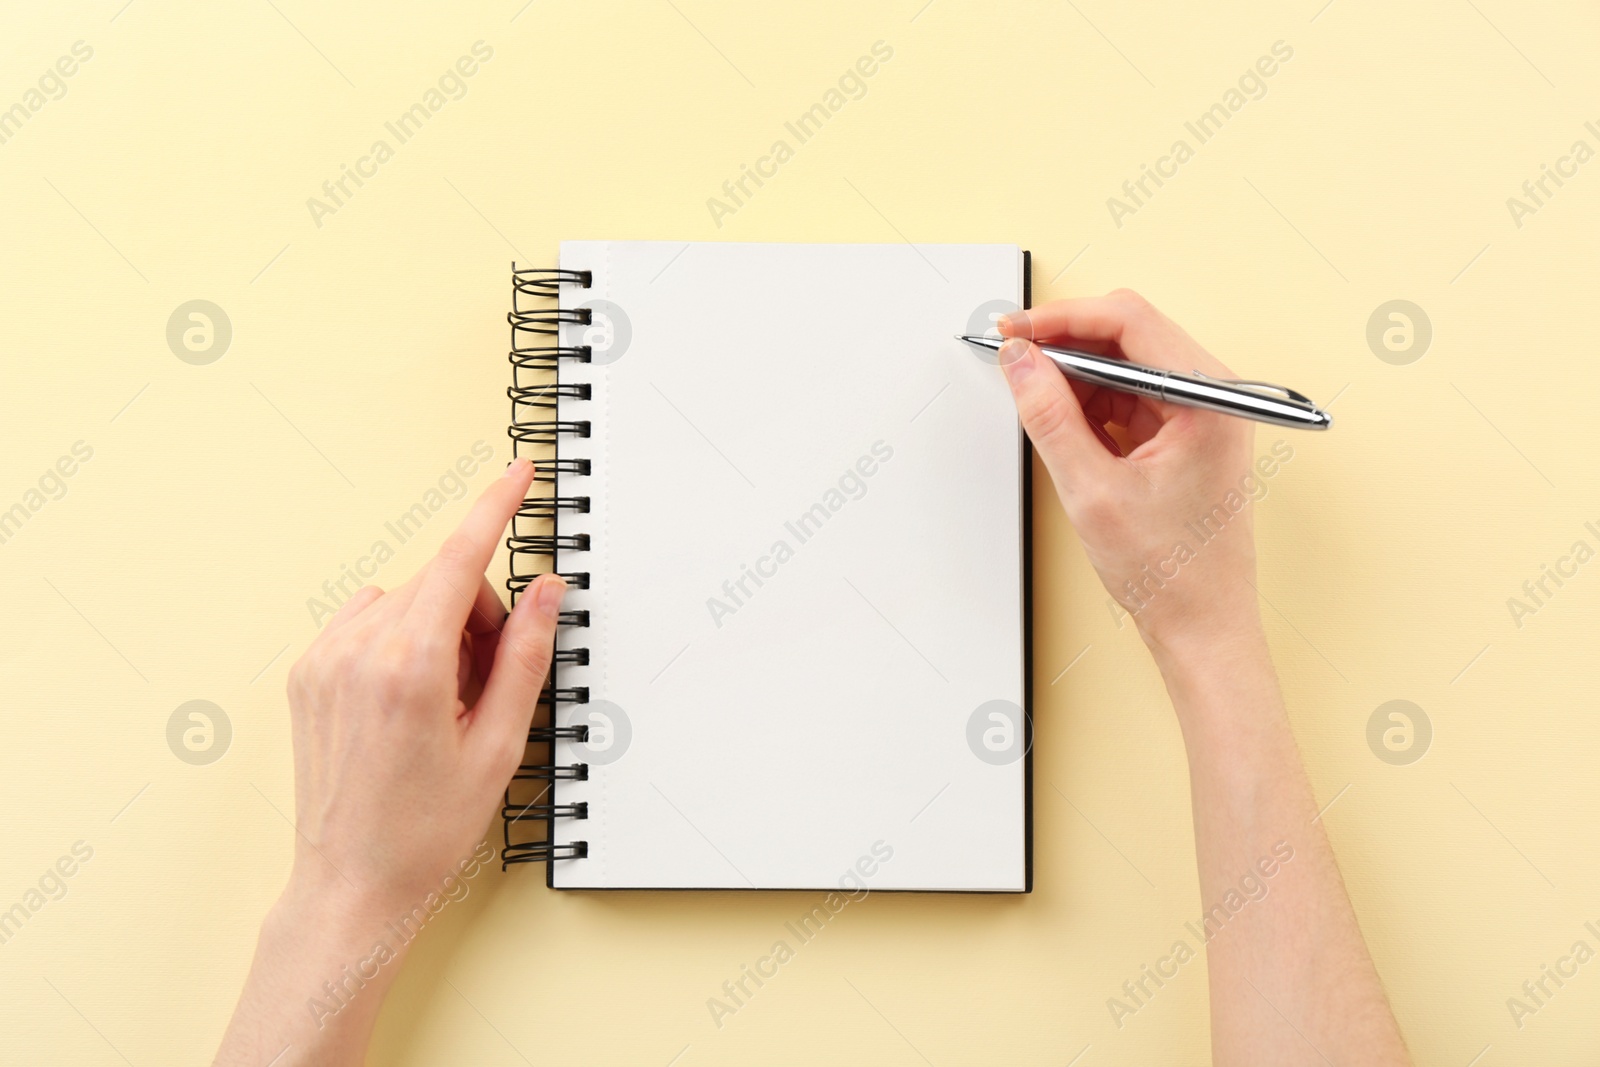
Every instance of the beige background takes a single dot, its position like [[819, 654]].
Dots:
[[369, 353]]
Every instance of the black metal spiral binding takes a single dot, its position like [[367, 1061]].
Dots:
[[551, 733], [549, 469], [547, 811], [545, 396], [547, 544], [547, 282], [519, 582], [536, 395], [552, 772], [545, 431], [545, 507]]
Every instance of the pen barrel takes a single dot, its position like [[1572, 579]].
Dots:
[[1110, 373], [1227, 398], [1244, 403]]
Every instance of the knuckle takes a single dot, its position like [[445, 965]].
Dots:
[[300, 676], [531, 653], [1095, 510], [1101, 518], [393, 684], [316, 664], [457, 550], [1045, 417], [1133, 304], [398, 670]]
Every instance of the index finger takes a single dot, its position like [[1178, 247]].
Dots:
[[449, 589], [1123, 319], [1088, 318]]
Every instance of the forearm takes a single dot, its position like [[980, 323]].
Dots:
[[317, 980], [1291, 979]]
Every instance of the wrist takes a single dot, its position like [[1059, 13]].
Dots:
[[341, 936], [1218, 672], [338, 910], [1196, 640]]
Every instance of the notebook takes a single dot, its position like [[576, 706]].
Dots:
[[792, 510]]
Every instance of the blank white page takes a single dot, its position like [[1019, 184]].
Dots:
[[806, 560]]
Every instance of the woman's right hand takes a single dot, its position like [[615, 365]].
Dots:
[[1165, 516]]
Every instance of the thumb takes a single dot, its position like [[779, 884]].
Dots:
[[521, 662], [1051, 414]]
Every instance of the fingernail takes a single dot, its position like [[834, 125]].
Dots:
[[517, 466], [1016, 324], [552, 587], [1014, 358]]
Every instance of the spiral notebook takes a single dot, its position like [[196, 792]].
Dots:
[[793, 513]]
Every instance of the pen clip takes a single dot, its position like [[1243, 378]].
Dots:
[[1259, 387]]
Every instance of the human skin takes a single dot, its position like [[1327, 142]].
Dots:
[[410, 709], [1291, 980]]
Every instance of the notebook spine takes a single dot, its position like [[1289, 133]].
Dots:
[[541, 430]]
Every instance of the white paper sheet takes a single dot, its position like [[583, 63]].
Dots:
[[806, 560]]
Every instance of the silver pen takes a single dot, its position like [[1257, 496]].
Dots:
[[1247, 400]]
